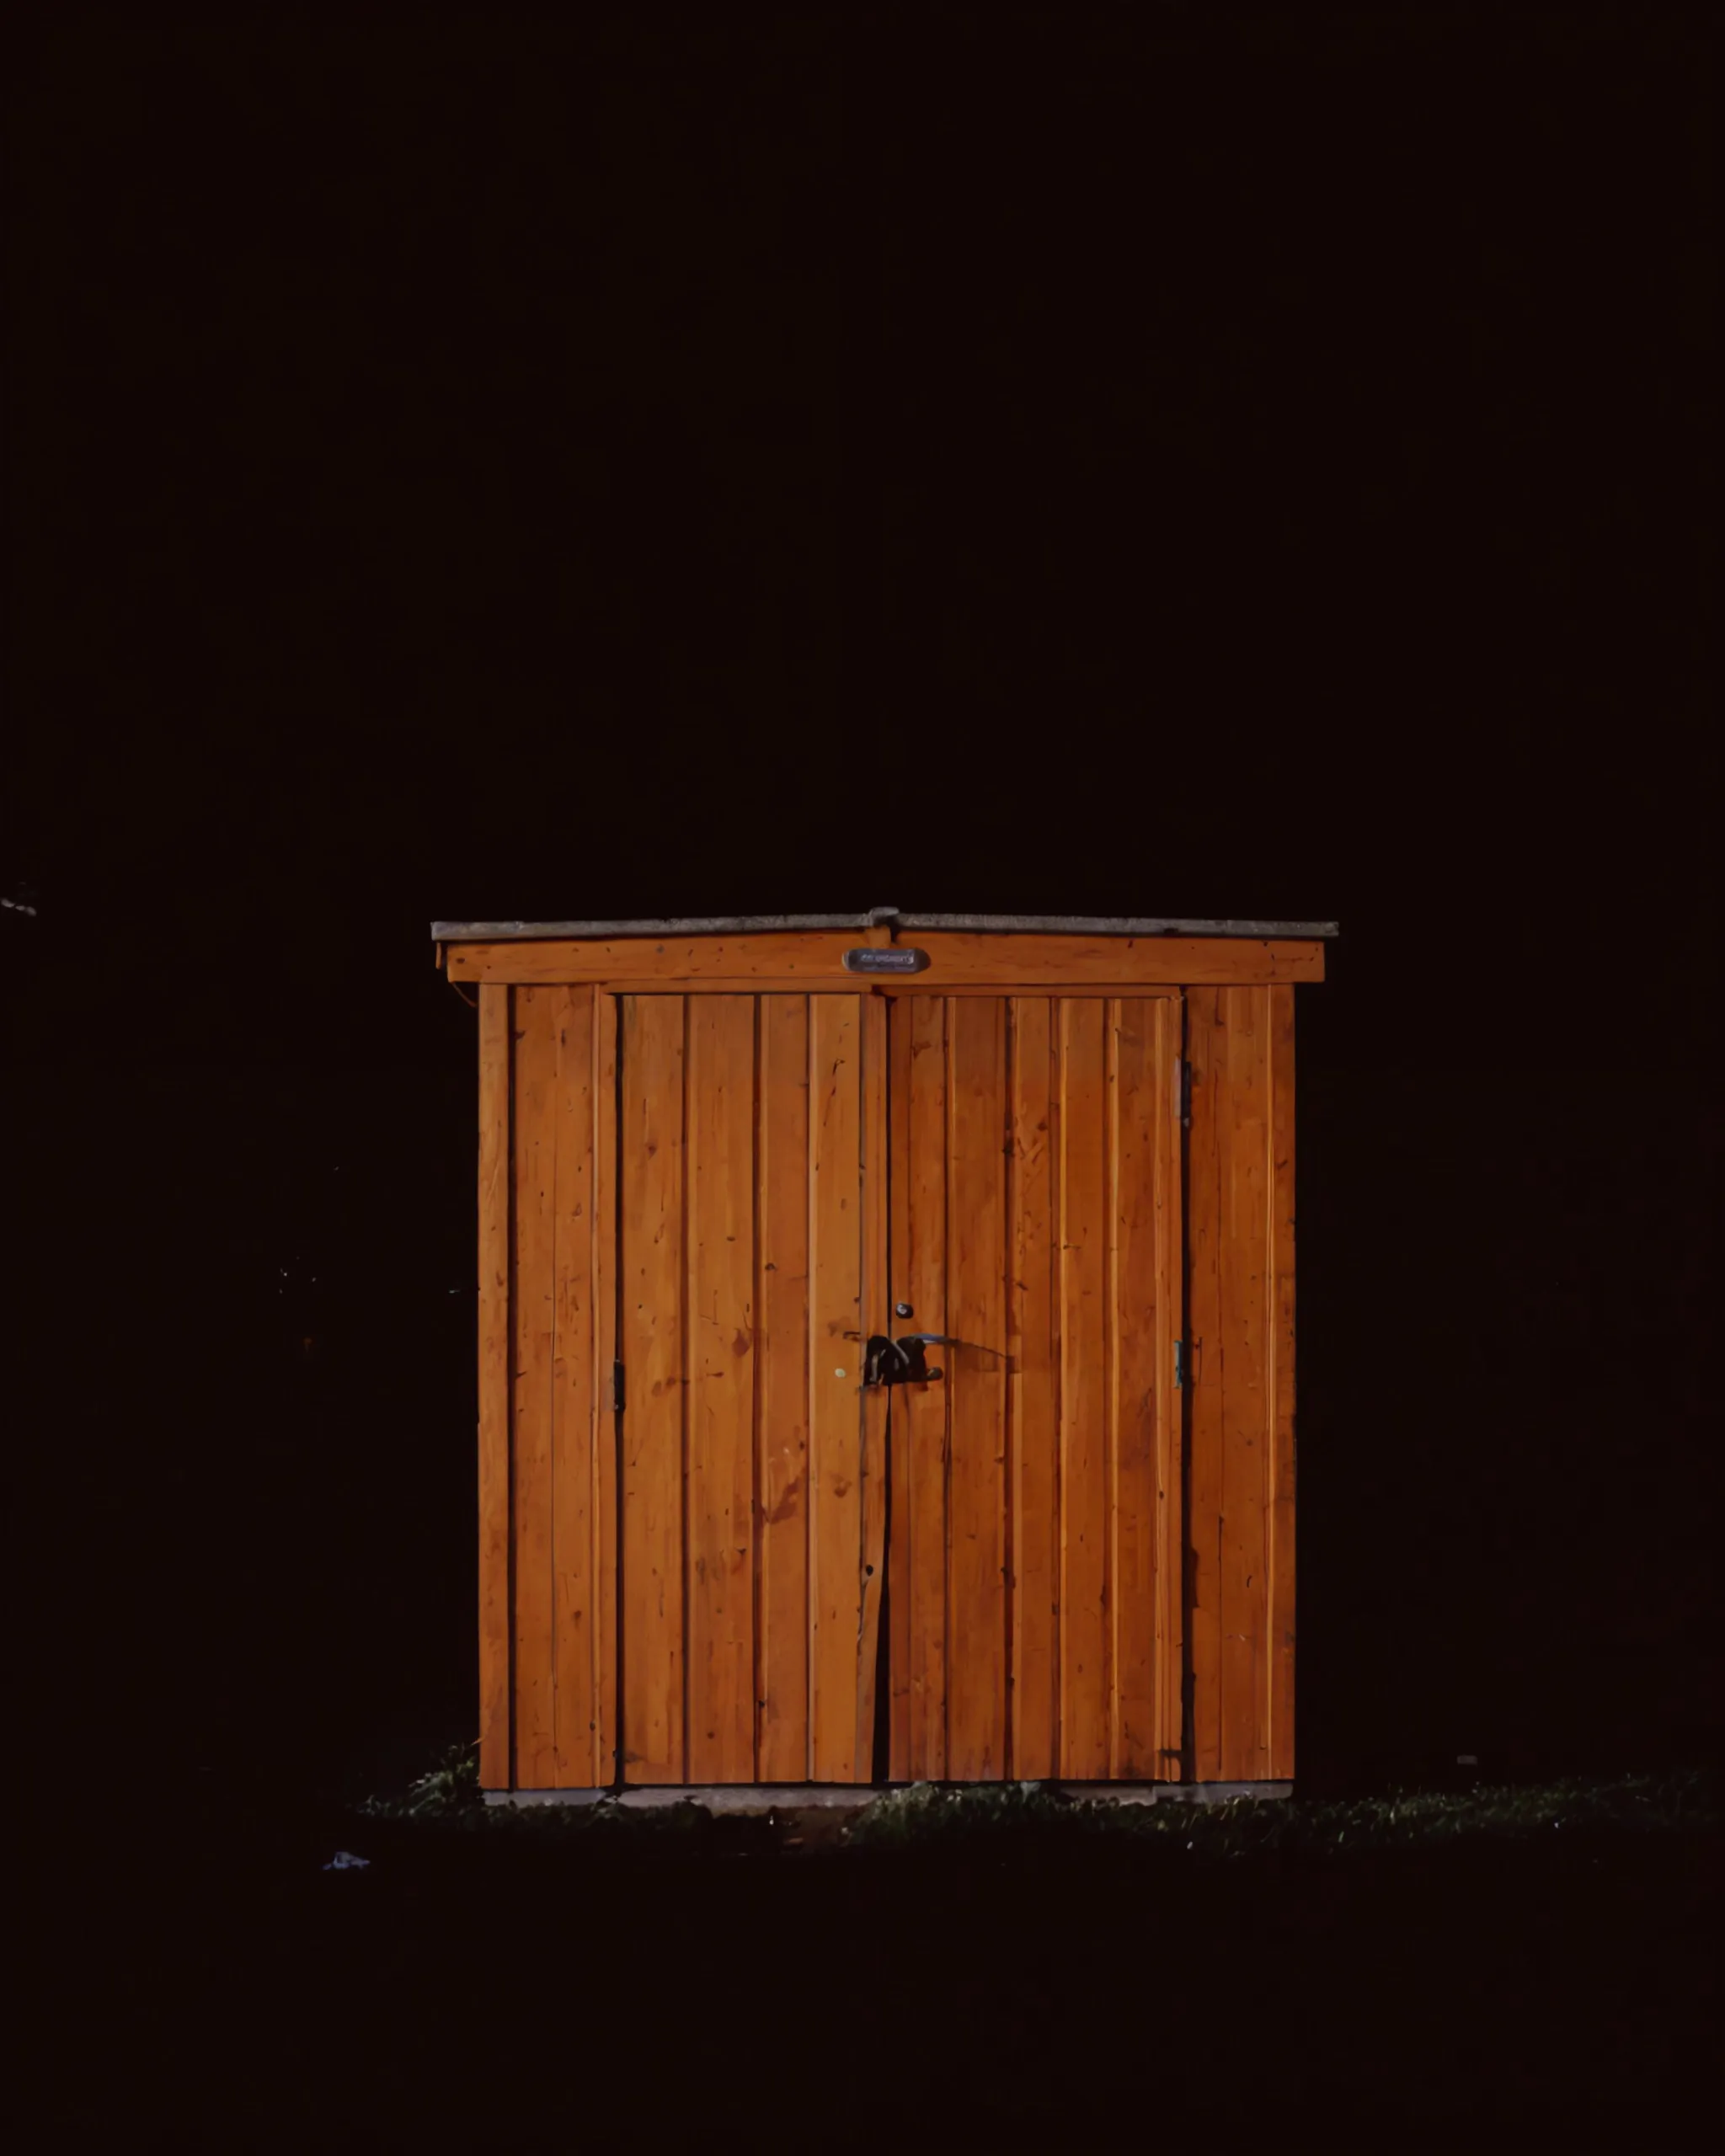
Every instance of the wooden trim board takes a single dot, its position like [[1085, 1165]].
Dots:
[[814, 958]]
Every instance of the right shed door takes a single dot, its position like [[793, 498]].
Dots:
[[1034, 1603]]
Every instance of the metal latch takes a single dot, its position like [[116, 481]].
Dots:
[[903, 1361]]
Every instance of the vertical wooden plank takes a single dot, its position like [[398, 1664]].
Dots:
[[651, 1149], [607, 1632], [898, 1554], [975, 1381], [1033, 1420], [783, 1383], [531, 1384], [1057, 1291], [1204, 1232], [719, 1254], [1241, 1499], [1244, 1333], [1133, 1403], [1281, 1563], [496, 1761], [1084, 1202], [574, 1523], [1170, 1303], [835, 1384], [920, 1412], [875, 1309]]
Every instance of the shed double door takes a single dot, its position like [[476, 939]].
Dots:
[[972, 1578]]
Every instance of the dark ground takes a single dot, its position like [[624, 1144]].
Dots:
[[1561, 1995], [1249, 461]]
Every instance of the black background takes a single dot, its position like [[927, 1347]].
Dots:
[[1234, 462]]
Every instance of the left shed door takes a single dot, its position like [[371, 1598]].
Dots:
[[690, 1189], [547, 1452]]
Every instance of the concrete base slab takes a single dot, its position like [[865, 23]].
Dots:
[[526, 1796], [747, 1801], [750, 1801], [1173, 1792]]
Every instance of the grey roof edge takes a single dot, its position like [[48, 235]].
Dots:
[[1053, 924]]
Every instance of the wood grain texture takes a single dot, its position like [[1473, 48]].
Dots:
[[835, 1423], [1170, 1315], [1130, 1387], [652, 1287], [1081, 962], [887, 989], [872, 1013], [532, 1377], [814, 958], [1042, 1201], [1204, 1232], [1083, 1202], [782, 1391], [1040, 1602], [898, 1433], [1281, 1555], [977, 1116], [920, 1411], [1144, 1041], [1244, 1335], [1241, 1498], [576, 1614], [496, 1764], [607, 1631], [799, 958], [1031, 1397], [719, 1254]]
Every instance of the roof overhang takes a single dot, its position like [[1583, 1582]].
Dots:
[[503, 931]]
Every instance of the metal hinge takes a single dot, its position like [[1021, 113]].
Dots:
[[1179, 1363], [616, 1388]]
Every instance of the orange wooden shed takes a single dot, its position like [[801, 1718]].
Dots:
[[886, 1349]]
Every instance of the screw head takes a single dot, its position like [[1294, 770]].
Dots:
[[903, 1310]]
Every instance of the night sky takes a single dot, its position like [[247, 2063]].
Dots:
[[1240, 462]]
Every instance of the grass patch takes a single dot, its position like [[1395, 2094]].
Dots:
[[1628, 1804], [448, 1798], [446, 1791], [1033, 1818]]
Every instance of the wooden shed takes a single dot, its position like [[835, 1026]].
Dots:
[[886, 1349]]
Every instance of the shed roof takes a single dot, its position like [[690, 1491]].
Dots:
[[1046, 924]]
